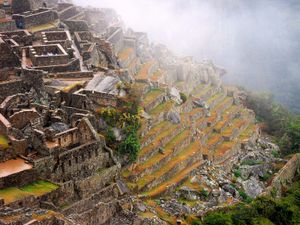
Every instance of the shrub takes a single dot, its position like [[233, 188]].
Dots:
[[237, 172], [183, 97], [130, 146], [245, 197], [243, 215], [196, 222], [251, 162], [218, 219], [110, 136], [204, 193], [275, 154], [264, 206]]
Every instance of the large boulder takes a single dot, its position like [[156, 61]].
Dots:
[[175, 95], [252, 187]]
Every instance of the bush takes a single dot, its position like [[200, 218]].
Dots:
[[110, 136], [280, 123], [196, 222], [130, 146], [183, 97], [245, 197], [204, 193], [237, 172], [251, 162], [218, 219], [243, 215]]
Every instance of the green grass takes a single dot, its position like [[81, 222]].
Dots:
[[4, 144], [165, 106], [152, 95], [39, 188]]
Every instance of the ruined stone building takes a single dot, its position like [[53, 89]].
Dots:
[[60, 65]]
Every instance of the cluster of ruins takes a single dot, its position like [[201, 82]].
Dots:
[[58, 67]]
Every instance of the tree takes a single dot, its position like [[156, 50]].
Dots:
[[218, 219], [130, 146]]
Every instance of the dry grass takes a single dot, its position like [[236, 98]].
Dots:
[[125, 53], [185, 154], [37, 189], [151, 96], [174, 180]]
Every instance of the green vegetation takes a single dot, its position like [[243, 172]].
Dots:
[[251, 162], [204, 193], [127, 118], [279, 122], [237, 172], [39, 188], [110, 136], [3, 143], [131, 145], [183, 97], [261, 211]]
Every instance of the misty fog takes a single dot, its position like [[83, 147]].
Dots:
[[256, 41]]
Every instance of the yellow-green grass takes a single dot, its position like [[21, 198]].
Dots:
[[248, 132], [198, 88], [224, 147], [69, 88], [214, 97], [39, 188], [151, 96], [163, 107], [43, 27], [174, 180], [213, 140], [12, 194], [4, 144], [157, 140], [188, 152], [157, 129], [167, 151], [203, 91], [143, 74], [237, 123]]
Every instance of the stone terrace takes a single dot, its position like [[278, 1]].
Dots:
[[171, 152]]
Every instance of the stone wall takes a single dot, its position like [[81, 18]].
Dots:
[[39, 17], [284, 178], [77, 25], [8, 25], [11, 88], [7, 56], [24, 117], [19, 6]]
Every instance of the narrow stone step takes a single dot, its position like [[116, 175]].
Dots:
[[160, 141], [204, 92], [228, 116], [174, 146], [152, 99], [186, 157], [154, 132], [173, 182], [215, 99], [229, 148]]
